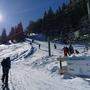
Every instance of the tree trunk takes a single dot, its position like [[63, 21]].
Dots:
[[88, 7]]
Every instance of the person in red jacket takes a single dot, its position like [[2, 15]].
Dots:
[[66, 51]]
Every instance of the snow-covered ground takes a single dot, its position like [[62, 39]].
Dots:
[[33, 69]]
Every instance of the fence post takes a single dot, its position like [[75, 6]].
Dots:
[[60, 64]]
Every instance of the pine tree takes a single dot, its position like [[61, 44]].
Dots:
[[30, 27], [11, 34], [4, 37], [19, 34], [50, 22], [44, 23], [64, 6]]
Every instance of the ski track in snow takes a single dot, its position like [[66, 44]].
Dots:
[[38, 71]]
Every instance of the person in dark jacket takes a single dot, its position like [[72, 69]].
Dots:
[[55, 47], [6, 65], [71, 49], [39, 46]]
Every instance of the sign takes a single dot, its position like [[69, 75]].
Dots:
[[79, 65]]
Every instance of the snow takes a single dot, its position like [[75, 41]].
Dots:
[[33, 69]]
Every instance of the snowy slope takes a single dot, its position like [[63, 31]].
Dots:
[[38, 71]]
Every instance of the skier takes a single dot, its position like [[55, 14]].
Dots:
[[86, 47], [55, 46], [65, 51], [30, 43], [6, 65], [32, 40], [39, 46], [71, 49]]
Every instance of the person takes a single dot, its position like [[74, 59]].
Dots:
[[76, 51], [6, 65], [39, 46], [65, 51], [32, 40], [86, 47], [30, 43], [71, 49], [55, 46]]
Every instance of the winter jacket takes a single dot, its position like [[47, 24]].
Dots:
[[6, 63]]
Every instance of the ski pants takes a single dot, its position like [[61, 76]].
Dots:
[[5, 75]]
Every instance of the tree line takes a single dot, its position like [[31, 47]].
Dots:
[[61, 22], [15, 35], [53, 24]]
